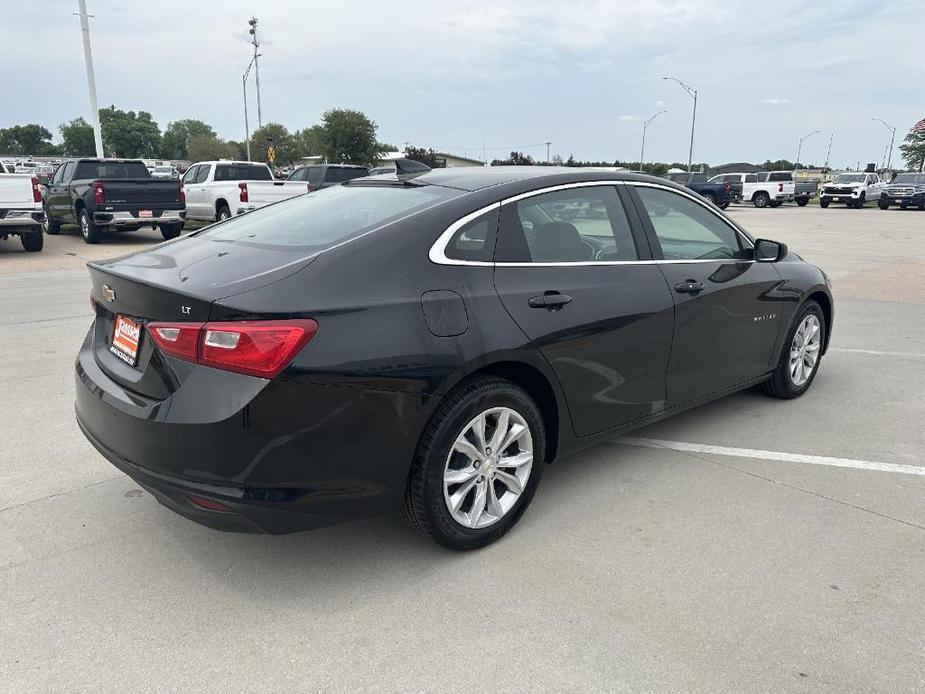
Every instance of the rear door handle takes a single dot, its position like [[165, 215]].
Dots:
[[689, 287], [551, 301]]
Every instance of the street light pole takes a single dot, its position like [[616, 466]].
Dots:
[[645, 125], [692, 93], [547, 151], [796, 164], [253, 32], [247, 129], [892, 129], [91, 80]]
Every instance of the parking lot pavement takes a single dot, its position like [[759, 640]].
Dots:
[[722, 565]]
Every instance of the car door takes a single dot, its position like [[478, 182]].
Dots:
[[727, 307], [53, 193], [188, 181], [874, 187], [578, 279]]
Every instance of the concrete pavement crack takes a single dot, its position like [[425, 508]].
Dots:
[[69, 491]]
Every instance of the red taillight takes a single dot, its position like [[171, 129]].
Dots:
[[780, 187], [728, 188], [99, 193], [311, 188], [210, 504], [255, 348], [182, 196], [242, 194], [36, 193]]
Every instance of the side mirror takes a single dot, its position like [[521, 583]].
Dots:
[[767, 251]]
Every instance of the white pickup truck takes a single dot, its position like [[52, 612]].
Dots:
[[853, 189], [21, 210], [762, 189], [218, 190]]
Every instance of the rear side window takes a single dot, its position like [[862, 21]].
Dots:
[[111, 170], [338, 174], [780, 176], [751, 178], [242, 172], [475, 240], [568, 226], [313, 223]]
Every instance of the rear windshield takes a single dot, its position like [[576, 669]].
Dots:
[[909, 178], [780, 176], [242, 172], [850, 178], [339, 175], [111, 169], [319, 220]]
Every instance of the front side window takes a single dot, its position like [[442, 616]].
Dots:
[[203, 173], [298, 174], [567, 226], [68, 171], [686, 230], [190, 175]]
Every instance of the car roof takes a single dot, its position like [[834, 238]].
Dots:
[[472, 178]]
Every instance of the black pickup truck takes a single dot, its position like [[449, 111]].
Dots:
[[112, 194], [720, 194]]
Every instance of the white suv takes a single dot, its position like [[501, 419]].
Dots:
[[852, 189]]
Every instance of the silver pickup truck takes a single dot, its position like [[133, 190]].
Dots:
[[21, 210]]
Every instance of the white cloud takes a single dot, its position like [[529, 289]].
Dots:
[[775, 102], [660, 103]]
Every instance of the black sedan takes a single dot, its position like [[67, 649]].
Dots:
[[428, 341]]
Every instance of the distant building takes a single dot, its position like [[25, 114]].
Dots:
[[450, 161]]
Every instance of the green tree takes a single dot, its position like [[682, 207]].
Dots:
[[78, 140], [26, 140], [349, 137], [208, 147], [178, 134], [913, 150], [129, 134], [311, 140], [239, 149], [287, 147], [520, 159], [425, 156], [386, 147], [778, 165]]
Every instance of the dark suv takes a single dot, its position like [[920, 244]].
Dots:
[[324, 175]]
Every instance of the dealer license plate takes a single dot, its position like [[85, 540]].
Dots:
[[125, 338]]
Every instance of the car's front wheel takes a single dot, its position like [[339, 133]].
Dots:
[[859, 203], [478, 464], [884, 204], [823, 202], [801, 354]]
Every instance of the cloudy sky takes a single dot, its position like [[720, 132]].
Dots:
[[460, 75]]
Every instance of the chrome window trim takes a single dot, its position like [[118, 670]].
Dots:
[[437, 253]]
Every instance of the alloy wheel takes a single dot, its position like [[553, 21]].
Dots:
[[84, 226], [488, 467], [804, 350]]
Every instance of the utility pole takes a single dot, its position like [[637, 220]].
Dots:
[[645, 126], [547, 151], [828, 152], [692, 93], [803, 139], [892, 129], [91, 80], [253, 32], [247, 129]]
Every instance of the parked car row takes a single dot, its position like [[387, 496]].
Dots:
[[768, 188], [21, 209]]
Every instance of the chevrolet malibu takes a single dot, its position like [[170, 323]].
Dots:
[[429, 340]]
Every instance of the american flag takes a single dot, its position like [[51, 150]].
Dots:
[[918, 127]]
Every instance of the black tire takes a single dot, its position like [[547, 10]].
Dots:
[[781, 385], [724, 205], [803, 202], [884, 204], [774, 203], [859, 203], [922, 206], [823, 203], [222, 213], [51, 226], [171, 231], [902, 205], [710, 198], [761, 199], [425, 505], [32, 242], [91, 232]]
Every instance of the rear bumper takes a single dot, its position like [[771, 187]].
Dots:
[[916, 199], [31, 219], [128, 218], [284, 456]]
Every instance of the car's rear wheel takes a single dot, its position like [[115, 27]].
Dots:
[[223, 213], [922, 206], [724, 205], [802, 202], [477, 466], [710, 198], [774, 203], [90, 231], [171, 231], [761, 199], [32, 242], [801, 354]]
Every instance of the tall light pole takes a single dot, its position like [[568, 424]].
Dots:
[[892, 129], [91, 80], [692, 93], [547, 151], [247, 128], [796, 164], [253, 32], [828, 152], [645, 125]]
